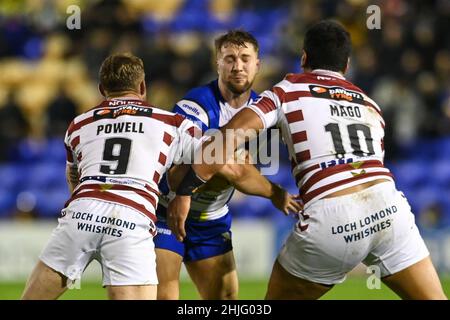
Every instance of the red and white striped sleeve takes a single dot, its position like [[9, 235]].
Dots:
[[268, 106], [190, 139], [71, 158]]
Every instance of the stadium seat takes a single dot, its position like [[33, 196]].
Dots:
[[46, 175], [11, 176], [7, 202], [423, 197], [55, 150], [440, 171], [50, 202], [32, 151], [442, 149], [189, 21], [150, 25], [411, 173], [247, 20]]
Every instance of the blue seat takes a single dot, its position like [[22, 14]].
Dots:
[[195, 5], [151, 25], [266, 44], [32, 151], [188, 21], [46, 175], [423, 197], [411, 173], [50, 202], [55, 151], [7, 202], [446, 208], [12, 176], [440, 172], [246, 20], [442, 149], [419, 149]]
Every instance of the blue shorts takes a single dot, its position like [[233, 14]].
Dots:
[[204, 239]]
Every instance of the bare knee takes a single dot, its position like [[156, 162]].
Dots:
[[138, 292], [168, 266], [168, 290], [225, 291], [216, 277], [231, 294]]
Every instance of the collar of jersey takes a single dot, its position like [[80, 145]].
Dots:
[[328, 73]]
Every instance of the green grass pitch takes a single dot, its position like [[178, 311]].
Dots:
[[352, 288]]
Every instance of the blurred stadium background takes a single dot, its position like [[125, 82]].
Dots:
[[48, 74]]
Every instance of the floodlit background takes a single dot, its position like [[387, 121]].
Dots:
[[48, 74]]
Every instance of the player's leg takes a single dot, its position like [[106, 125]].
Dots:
[[405, 262], [168, 266], [419, 281], [314, 257], [65, 256], [285, 286], [127, 254], [144, 292], [215, 277], [44, 284], [169, 257], [209, 258]]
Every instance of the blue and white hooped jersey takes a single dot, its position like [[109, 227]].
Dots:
[[207, 108]]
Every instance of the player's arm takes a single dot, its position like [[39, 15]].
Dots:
[[247, 179], [244, 122], [262, 114], [72, 176], [175, 174], [244, 177]]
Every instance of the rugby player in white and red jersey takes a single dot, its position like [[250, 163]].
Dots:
[[352, 210], [116, 154]]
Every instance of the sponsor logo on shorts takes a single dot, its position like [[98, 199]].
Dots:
[[112, 226], [365, 227], [164, 231]]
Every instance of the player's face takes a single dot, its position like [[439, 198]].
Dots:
[[237, 67]]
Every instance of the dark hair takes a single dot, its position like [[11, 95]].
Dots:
[[121, 72], [327, 45], [237, 37]]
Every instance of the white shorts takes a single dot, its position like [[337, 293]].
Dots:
[[374, 226], [115, 235]]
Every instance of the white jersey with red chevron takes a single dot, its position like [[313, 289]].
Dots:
[[333, 130], [122, 148]]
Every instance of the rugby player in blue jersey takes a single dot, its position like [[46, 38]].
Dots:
[[207, 250]]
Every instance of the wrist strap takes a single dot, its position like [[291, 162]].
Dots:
[[189, 183]]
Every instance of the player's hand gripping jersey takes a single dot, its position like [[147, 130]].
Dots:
[[123, 147], [341, 144], [208, 109]]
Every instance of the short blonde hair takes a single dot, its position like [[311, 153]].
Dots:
[[121, 72], [237, 37]]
